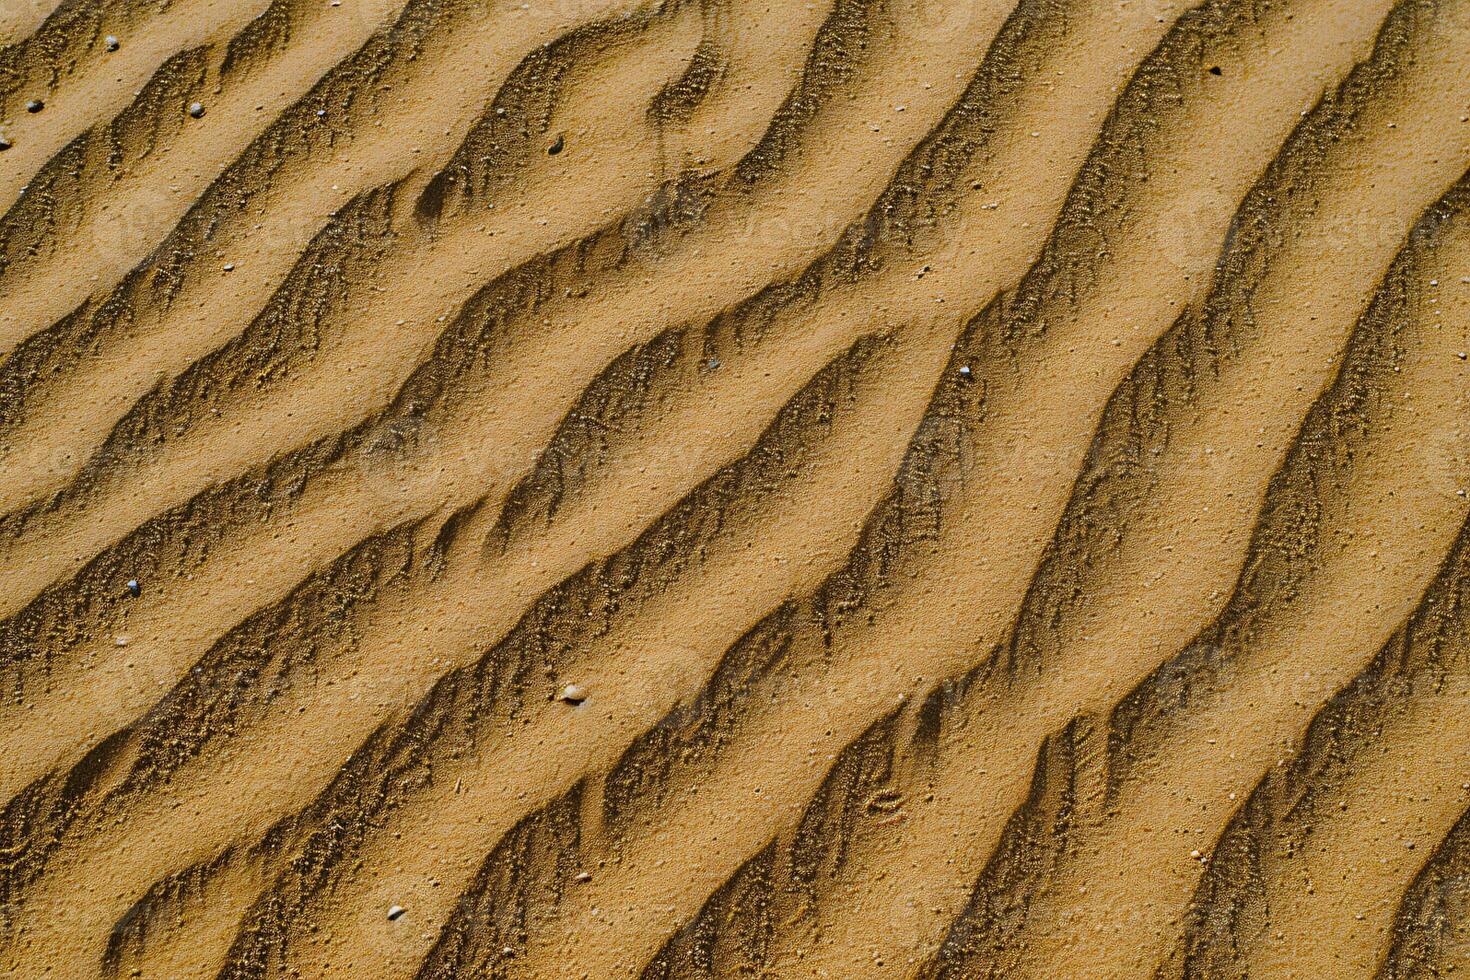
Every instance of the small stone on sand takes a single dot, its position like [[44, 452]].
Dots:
[[35, 105], [583, 877], [196, 109], [395, 913], [112, 43], [573, 694], [133, 587]]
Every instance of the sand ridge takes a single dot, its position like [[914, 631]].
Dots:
[[728, 488]]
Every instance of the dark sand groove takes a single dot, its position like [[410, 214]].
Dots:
[[1429, 930]]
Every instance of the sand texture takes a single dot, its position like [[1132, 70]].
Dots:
[[752, 489]]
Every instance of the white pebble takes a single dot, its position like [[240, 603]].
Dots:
[[196, 109], [573, 694], [395, 912], [112, 43]]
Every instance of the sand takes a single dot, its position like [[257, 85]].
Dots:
[[734, 488]]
